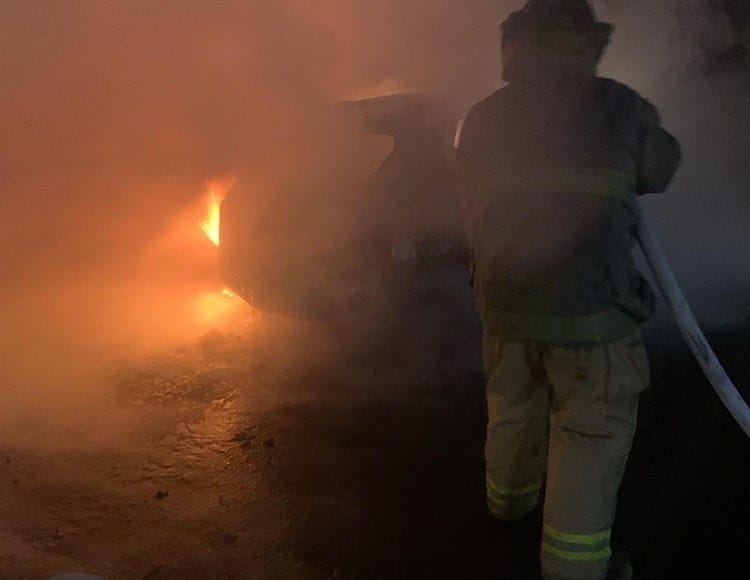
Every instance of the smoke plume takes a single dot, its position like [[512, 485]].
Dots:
[[116, 115]]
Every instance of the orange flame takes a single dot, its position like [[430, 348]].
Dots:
[[210, 224]]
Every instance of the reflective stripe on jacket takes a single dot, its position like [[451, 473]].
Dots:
[[548, 168]]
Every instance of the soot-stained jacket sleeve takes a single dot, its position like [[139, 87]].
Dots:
[[658, 155]]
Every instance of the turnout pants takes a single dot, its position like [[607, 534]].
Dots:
[[569, 414]]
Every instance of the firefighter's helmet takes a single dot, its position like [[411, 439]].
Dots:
[[543, 15], [559, 25]]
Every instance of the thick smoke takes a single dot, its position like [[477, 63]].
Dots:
[[115, 115], [670, 51]]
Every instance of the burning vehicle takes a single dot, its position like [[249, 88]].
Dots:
[[405, 234]]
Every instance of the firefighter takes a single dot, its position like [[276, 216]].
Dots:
[[549, 166]]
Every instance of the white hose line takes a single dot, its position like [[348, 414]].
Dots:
[[670, 289]]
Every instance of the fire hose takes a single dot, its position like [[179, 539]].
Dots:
[[687, 323]]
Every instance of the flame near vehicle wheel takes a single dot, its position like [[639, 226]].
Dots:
[[210, 225]]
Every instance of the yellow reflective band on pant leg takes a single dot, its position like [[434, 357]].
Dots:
[[586, 539], [512, 503], [513, 507], [576, 547], [605, 554], [492, 487]]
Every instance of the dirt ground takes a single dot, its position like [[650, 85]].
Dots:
[[347, 463]]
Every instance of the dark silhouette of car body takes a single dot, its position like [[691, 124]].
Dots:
[[406, 229]]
